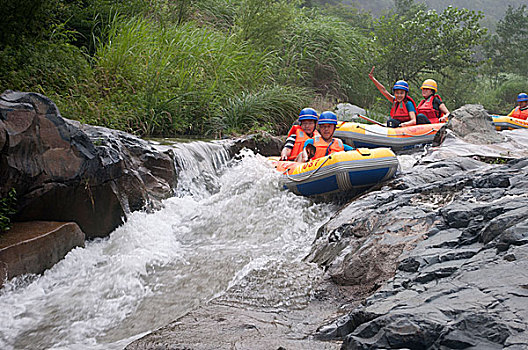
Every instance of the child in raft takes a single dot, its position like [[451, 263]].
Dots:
[[325, 143]]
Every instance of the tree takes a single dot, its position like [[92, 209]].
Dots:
[[27, 19], [507, 48], [415, 42], [408, 8]]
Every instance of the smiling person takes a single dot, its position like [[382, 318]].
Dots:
[[298, 134], [521, 111], [432, 107], [323, 144], [403, 111]]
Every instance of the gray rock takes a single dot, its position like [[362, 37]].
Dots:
[[349, 112], [473, 124], [449, 256], [263, 143]]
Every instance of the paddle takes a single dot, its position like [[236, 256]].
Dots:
[[371, 120]]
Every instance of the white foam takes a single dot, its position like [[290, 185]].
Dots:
[[160, 265]]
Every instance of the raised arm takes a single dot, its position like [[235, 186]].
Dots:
[[380, 86]]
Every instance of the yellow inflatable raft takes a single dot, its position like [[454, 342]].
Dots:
[[338, 172], [502, 122]]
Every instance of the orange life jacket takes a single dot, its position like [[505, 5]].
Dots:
[[426, 108], [300, 139], [519, 113], [399, 110], [323, 148]]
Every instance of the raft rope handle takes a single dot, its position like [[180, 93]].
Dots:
[[404, 134], [309, 176]]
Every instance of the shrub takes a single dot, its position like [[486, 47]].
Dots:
[[275, 107], [166, 80], [45, 67], [7, 209]]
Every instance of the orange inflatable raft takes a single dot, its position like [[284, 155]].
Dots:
[[367, 135]]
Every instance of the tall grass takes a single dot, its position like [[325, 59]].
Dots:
[[273, 108], [326, 54], [174, 79], [220, 14], [154, 79]]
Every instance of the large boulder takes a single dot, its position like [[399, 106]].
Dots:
[[65, 171], [469, 125], [472, 123]]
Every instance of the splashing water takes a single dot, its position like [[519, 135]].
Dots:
[[230, 233]]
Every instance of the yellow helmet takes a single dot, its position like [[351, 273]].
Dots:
[[430, 84]]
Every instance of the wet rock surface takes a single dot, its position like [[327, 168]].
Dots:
[[232, 327], [250, 315], [447, 245]]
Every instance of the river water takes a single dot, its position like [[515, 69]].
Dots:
[[228, 223]]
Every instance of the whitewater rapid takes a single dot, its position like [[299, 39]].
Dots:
[[228, 219]]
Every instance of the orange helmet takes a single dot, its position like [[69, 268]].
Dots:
[[430, 84]]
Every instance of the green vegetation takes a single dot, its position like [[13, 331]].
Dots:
[[7, 208], [221, 67]]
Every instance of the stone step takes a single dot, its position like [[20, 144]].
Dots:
[[34, 246]]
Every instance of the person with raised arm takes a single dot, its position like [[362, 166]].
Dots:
[[403, 111]]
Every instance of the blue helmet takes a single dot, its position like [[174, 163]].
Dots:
[[328, 117], [522, 97], [308, 114], [401, 85]]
